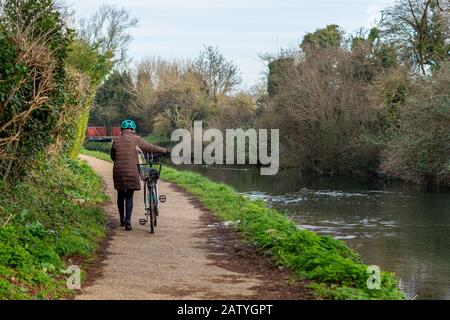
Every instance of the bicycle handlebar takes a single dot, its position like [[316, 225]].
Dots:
[[152, 157]]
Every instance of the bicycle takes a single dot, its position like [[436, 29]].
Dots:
[[150, 172]]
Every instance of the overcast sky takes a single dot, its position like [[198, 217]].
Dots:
[[242, 29]]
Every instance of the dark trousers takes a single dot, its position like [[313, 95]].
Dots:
[[125, 200]]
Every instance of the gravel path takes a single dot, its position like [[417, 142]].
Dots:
[[186, 258]]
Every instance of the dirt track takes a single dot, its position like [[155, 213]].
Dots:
[[191, 256]]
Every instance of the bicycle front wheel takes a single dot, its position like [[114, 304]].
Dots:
[[146, 197], [155, 203], [148, 206], [152, 220], [152, 208]]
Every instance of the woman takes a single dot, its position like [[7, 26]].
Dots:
[[125, 172]]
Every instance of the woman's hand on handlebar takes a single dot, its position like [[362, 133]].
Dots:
[[158, 155], [165, 154]]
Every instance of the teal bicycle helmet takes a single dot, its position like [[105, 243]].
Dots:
[[128, 124]]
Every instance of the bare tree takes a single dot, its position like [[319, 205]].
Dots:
[[160, 73], [220, 75], [322, 109], [109, 29], [419, 29]]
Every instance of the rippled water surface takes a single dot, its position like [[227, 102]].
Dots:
[[400, 228]]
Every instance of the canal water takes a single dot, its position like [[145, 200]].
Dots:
[[399, 227]]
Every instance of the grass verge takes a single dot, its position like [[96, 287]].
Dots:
[[154, 138], [336, 271], [98, 146], [96, 154], [45, 220]]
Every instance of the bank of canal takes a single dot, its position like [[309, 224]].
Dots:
[[401, 228]]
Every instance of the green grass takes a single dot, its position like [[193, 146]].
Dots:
[[43, 223], [335, 271], [97, 154], [156, 139]]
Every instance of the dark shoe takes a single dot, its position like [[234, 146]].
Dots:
[[122, 223], [128, 226]]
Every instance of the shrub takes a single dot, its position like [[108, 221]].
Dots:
[[420, 149], [98, 146], [33, 42], [323, 109]]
